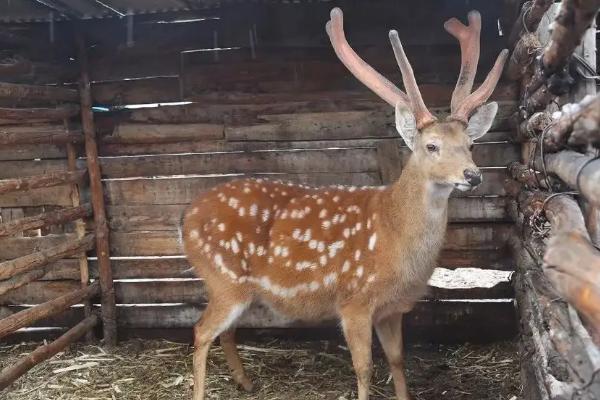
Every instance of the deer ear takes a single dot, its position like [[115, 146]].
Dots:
[[482, 120], [406, 125]]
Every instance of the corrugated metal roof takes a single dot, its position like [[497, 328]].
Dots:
[[45, 10]]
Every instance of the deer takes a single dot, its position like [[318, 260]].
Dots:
[[359, 255]]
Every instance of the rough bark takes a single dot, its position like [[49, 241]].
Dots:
[[28, 316], [21, 366], [46, 219], [533, 127], [529, 19], [38, 135], [10, 268], [9, 116], [41, 181], [109, 321], [19, 91], [571, 262], [582, 121], [523, 54]]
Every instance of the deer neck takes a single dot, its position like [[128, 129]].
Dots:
[[415, 208]]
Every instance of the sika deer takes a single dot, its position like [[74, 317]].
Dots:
[[363, 255]]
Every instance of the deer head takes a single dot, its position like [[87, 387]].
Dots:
[[442, 149]]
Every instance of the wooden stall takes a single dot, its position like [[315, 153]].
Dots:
[[117, 114]]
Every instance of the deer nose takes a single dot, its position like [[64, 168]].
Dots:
[[473, 176]]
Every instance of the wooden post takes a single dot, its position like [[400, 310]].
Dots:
[[80, 231], [14, 371], [109, 323]]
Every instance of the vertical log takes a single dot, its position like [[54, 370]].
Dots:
[[80, 231], [109, 323]]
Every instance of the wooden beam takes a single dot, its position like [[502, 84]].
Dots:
[[578, 127], [529, 19], [14, 371], [109, 321], [10, 116], [579, 171], [37, 259], [28, 316], [41, 181], [19, 91], [523, 54], [42, 220], [38, 135], [571, 261]]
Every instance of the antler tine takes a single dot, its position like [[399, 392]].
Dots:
[[357, 66], [468, 37], [482, 93], [422, 114]]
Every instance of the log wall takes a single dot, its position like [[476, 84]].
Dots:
[[278, 105]]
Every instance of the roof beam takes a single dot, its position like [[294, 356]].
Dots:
[[60, 7]]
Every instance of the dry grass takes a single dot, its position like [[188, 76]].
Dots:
[[286, 370]]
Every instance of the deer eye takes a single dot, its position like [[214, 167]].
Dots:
[[432, 148]]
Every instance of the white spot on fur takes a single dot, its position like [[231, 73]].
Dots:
[[221, 227], [323, 260], [194, 234], [323, 213], [265, 215], [234, 246], [346, 266], [357, 255], [233, 202], [359, 271], [372, 241], [314, 286], [253, 210], [334, 247], [329, 279]]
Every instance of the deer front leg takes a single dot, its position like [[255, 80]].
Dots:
[[357, 326], [389, 332]]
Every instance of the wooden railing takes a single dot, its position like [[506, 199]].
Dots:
[[556, 188]]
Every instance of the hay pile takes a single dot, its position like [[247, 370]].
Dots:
[[282, 370]]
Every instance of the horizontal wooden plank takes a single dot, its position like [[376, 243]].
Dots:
[[194, 292], [128, 133], [39, 292], [58, 195], [158, 268], [184, 190], [16, 169], [11, 116], [44, 134], [129, 149], [32, 152], [19, 246], [282, 161], [438, 322], [446, 317], [42, 181], [20, 92], [302, 161], [166, 243], [167, 217]]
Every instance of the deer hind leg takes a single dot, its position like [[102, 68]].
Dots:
[[218, 317], [357, 328], [234, 362], [389, 331]]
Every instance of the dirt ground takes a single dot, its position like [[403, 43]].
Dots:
[[281, 369]]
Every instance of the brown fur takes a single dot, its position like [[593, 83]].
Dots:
[[391, 240]]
